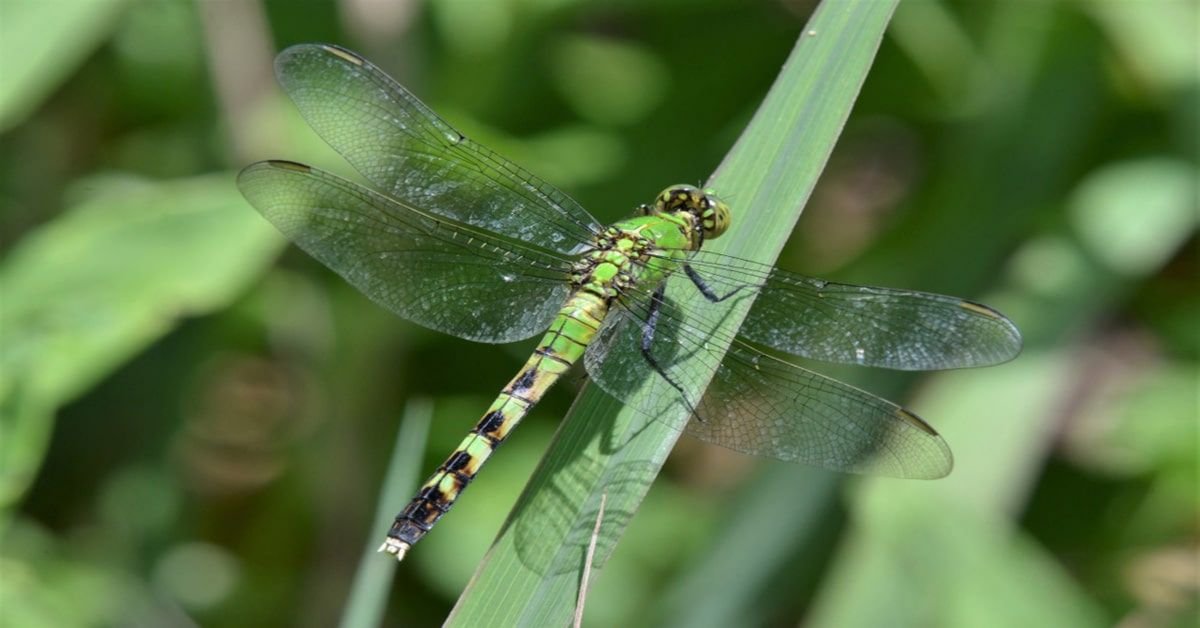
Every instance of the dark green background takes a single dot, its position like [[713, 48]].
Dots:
[[197, 418]]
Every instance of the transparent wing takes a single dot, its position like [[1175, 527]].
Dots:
[[409, 153], [757, 403], [897, 329], [437, 273]]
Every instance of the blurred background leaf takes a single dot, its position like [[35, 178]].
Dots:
[[87, 291], [192, 434], [41, 43]]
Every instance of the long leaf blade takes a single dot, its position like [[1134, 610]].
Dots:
[[531, 574]]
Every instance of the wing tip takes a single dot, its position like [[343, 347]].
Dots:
[[945, 463], [293, 53], [916, 421], [343, 54], [271, 164], [1014, 334], [284, 164], [981, 309]]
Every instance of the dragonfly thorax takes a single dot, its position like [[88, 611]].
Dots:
[[611, 266]]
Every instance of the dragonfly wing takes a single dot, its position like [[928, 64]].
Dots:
[[897, 329], [408, 152], [615, 362], [762, 405], [757, 403], [445, 276]]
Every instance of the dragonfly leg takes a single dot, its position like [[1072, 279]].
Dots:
[[651, 326], [704, 288]]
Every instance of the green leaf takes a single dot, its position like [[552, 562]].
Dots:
[[41, 43], [947, 553], [1164, 191], [87, 291], [608, 82], [531, 575], [44, 586]]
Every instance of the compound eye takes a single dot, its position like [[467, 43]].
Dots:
[[716, 217], [677, 198]]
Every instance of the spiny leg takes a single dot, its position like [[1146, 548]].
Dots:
[[705, 289], [648, 330]]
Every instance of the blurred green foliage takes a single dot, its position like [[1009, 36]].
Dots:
[[191, 431]]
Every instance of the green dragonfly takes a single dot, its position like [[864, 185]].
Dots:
[[459, 239]]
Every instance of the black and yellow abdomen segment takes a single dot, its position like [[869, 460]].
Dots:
[[564, 343]]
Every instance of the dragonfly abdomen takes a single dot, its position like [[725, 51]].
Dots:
[[568, 336]]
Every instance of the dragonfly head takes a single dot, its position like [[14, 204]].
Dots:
[[710, 214]]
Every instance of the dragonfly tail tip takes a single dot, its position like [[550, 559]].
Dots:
[[395, 546]]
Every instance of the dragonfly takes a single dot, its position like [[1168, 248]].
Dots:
[[455, 237]]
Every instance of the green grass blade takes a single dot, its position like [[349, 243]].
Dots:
[[373, 580], [531, 574]]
